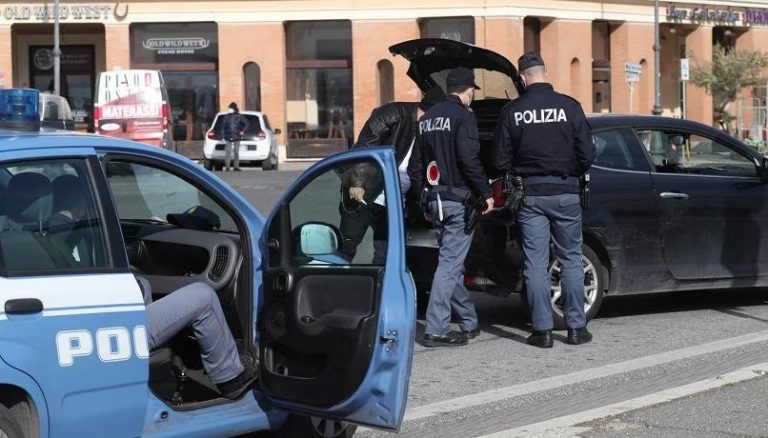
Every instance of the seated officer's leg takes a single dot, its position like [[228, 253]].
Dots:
[[566, 230], [196, 305], [353, 225], [534, 227], [380, 232]]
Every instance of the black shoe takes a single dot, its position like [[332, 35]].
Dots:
[[540, 338], [233, 389], [471, 334], [579, 336], [452, 339]]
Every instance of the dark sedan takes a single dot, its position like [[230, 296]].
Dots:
[[675, 205]]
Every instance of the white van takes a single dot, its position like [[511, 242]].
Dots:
[[133, 104]]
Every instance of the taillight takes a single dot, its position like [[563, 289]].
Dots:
[[96, 117], [262, 135], [211, 135], [164, 111]]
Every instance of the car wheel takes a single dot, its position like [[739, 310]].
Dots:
[[208, 164], [314, 427], [595, 284], [270, 163], [9, 427]]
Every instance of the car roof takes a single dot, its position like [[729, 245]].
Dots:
[[615, 120], [53, 138], [247, 113]]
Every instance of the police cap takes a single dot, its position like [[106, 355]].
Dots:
[[461, 76], [528, 60]]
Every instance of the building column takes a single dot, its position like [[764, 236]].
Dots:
[[268, 54], [503, 35], [117, 41], [562, 42], [698, 44], [6, 57], [624, 48], [370, 44]]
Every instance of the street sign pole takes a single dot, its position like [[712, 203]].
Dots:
[[632, 75], [685, 75], [56, 51]]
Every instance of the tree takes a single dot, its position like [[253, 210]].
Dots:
[[726, 76]]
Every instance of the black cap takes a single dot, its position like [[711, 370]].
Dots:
[[196, 218], [233, 106], [461, 76], [528, 60], [431, 97]]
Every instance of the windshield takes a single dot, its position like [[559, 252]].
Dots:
[[254, 124], [493, 84]]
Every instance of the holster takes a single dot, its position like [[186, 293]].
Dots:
[[514, 191], [584, 191]]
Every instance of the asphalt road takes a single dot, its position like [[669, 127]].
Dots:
[[644, 347]]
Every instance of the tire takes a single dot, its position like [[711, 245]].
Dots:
[[9, 427], [270, 163], [595, 285], [208, 164], [300, 426]]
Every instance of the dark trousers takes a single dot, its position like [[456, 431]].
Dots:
[[355, 223]]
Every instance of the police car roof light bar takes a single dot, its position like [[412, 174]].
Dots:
[[20, 109]]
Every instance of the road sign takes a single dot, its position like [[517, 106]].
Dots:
[[632, 77], [632, 68], [685, 71]]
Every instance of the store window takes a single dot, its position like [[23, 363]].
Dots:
[[453, 28], [188, 56], [252, 82], [77, 82], [319, 110], [386, 82]]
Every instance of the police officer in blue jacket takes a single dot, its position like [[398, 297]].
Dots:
[[544, 137], [447, 157]]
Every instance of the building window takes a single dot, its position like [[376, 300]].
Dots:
[[576, 79], [252, 83], [386, 78], [188, 56], [319, 84], [453, 28], [601, 67], [532, 34]]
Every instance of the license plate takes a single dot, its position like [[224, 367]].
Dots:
[[219, 147]]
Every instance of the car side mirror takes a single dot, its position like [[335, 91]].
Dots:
[[277, 131], [318, 239], [762, 168]]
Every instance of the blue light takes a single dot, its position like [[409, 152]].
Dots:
[[20, 109]]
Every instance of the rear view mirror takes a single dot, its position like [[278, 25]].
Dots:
[[762, 168], [318, 239], [677, 140]]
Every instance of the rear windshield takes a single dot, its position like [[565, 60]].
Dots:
[[493, 84], [254, 124]]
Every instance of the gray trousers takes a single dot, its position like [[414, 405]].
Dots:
[[448, 291], [558, 217], [232, 146], [196, 306]]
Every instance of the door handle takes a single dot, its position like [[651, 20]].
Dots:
[[23, 306], [673, 195]]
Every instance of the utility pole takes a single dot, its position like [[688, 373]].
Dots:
[[56, 50], [657, 62]]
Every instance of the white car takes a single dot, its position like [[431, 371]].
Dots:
[[258, 145]]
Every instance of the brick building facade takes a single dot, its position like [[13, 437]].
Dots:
[[318, 67]]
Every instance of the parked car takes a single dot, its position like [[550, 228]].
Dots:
[[259, 144], [82, 216], [675, 204]]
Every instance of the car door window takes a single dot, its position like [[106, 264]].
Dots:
[[360, 226], [50, 222], [682, 152], [617, 149], [151, 194]]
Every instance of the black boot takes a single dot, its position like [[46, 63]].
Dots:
[[579, 336], [540, 338], [234, 388]]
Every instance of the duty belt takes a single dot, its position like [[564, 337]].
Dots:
[[448, 193], [551, 179]]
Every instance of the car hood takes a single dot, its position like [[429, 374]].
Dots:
[[431, 55]]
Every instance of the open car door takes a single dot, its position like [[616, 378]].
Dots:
[[337, 319]]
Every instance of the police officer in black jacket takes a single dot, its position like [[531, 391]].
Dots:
[[447, 158], [544, 137]]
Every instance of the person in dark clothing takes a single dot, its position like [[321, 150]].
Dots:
[[447, 157], [233, 128], [544, 137], [363, 204]]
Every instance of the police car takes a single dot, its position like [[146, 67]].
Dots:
[[333, 338]]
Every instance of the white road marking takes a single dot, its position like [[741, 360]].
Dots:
[[565, 426], [499, 394]]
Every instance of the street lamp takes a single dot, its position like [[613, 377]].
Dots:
[[56, 50], [657, 63]]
